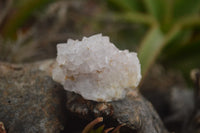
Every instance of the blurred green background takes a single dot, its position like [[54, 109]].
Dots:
[[163, 32]]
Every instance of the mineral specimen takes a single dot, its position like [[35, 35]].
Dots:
[[96, 69]]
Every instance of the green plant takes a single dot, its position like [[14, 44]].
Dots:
[[16, 14], [173, 37], [17, 20]]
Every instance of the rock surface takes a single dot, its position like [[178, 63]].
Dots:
[[134, 111], [30, 101]]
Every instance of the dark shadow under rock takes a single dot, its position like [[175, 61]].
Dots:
[[134, 111], [30, 101]]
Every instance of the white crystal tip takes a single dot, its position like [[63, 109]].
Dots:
[[96, 69]]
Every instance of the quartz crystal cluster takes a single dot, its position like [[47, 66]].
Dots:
[[96, 69]]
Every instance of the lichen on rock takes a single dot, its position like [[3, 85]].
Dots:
[[96, 69]]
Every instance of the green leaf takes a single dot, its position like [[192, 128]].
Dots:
[[185, 58], [188, 52], [189, 21], [183, 8], [24, 10], [153, 44], [156, 8], [150, 48], [125, 5], [98, 130], [136, 17]]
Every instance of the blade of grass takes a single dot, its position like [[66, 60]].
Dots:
[[181, 39], [183, 8], [185, 52], [190, 21], [125, 5], [157, 8], [168, 16], [136, 18], [152, 45], [185, 59], [5, 11], [150, 48], [22, 14]]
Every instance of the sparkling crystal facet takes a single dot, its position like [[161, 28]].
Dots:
[[96, 69]]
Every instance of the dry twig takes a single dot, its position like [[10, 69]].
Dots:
[[2, 128], [118, 128], [109, 129], [92, 124]]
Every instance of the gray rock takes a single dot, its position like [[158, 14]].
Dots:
[[134, 111], [30, 101]]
